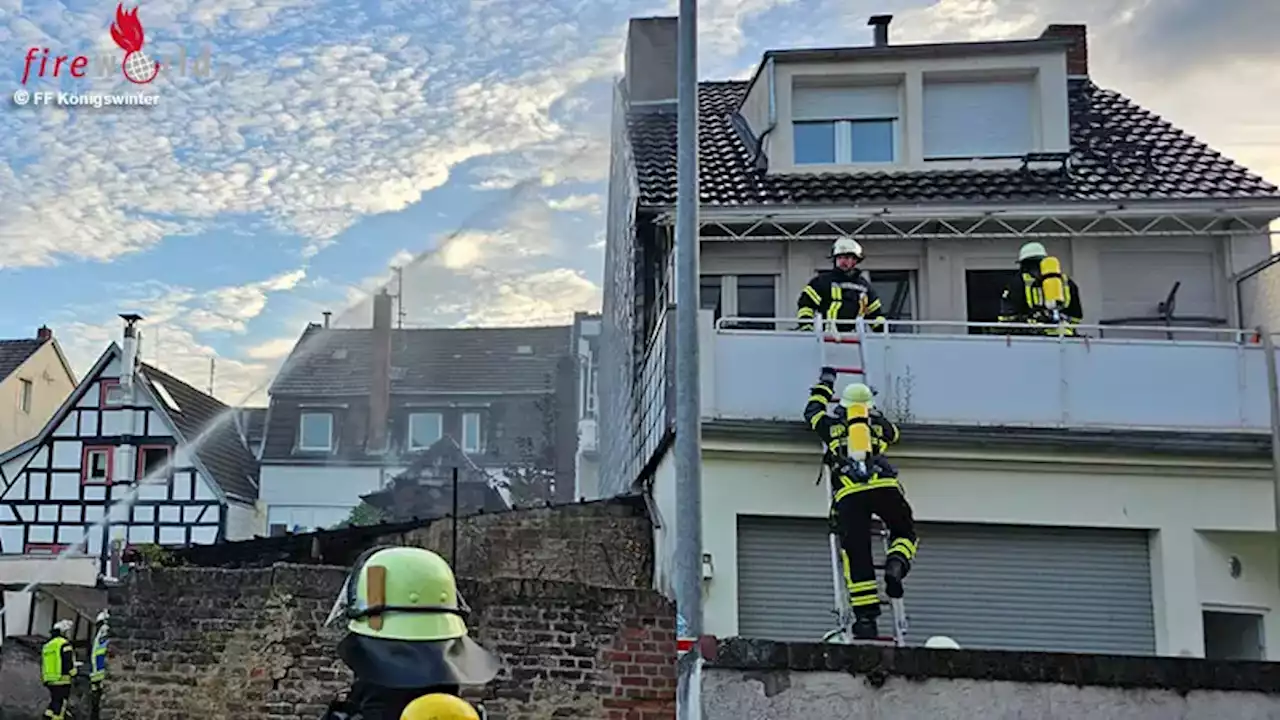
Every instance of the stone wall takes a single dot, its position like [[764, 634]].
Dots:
[[247, 644]]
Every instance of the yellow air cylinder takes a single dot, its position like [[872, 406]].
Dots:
[[859, 431], [1055, 293], [439, 706]]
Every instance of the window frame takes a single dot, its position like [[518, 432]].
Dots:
[[410, 425], [302, 421], [105, 386], [26, 392], [775, 281], [85, 452], [140, 463], [479, 433], [843, 131]]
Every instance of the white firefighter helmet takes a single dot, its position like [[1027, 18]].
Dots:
[[847, 246], [103, 617], [1031, 251], [857, 393], [941, 642], [64, 626]]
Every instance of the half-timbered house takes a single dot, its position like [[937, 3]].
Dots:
[[129, 459]]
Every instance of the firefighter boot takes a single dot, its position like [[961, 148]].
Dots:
[[864, 628], [895, 568]]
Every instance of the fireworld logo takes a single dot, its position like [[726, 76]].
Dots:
[[127, 33]]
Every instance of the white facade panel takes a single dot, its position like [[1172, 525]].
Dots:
[[986, 118], [312, 497], [1197, 515]]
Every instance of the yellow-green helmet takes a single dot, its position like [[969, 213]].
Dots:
[[439, 706], [856, 393], [402, 593]]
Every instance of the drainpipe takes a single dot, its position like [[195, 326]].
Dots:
[[128, 451]]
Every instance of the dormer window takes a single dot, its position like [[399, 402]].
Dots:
[[842, 123], [315, 432], [979, 118]]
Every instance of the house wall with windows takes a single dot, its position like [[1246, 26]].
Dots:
[[32, 392]]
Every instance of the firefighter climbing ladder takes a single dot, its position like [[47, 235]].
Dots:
[[843, 611]]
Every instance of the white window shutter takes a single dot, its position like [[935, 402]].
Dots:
[[845, 103], [975, 119]]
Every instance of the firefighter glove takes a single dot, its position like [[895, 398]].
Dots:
[[827, 376]]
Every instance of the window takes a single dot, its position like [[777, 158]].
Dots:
[[95, 465], [165, 397], [152, 459], [471, 433], [969, 119], [315, 431], [1233, 636], [982, 291], [425, 429], [110, 393], [757, 297], [24, 396], [844, 124], [897, 291], [709, 293]]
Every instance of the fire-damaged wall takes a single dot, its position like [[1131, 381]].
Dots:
[[563, 599]]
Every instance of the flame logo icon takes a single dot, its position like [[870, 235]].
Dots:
[[127, 32]]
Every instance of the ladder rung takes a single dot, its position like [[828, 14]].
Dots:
[[843, 340], [848, 370]]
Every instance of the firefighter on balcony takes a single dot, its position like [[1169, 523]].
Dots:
[[57, 667], [843, 293], [1041, 295], [98, 665], [863, 483], [407, 636]]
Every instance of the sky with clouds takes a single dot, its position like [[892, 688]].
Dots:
[[302, 148]]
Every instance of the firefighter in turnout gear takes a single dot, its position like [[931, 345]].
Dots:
[[98, 665], [1041, 295], [57, 668], [843, 293], [407, 636], [860, 492]]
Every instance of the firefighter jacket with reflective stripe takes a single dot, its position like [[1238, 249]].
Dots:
[[98, 661], [57, 662], [834, 433], [837, 295], [1023, 302]]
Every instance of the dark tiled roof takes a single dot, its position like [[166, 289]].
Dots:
[[340, 361], [1119, 152], [253, 425], [224, 454], [15, 352]]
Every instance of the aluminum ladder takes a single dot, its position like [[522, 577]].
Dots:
[[843, 634]]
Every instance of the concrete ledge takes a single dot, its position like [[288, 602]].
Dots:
[[768, 662]]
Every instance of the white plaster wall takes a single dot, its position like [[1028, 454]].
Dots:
[[244, 521], [1176, 502], [316, 496]]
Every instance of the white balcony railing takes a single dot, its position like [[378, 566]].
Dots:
[[937, 373]]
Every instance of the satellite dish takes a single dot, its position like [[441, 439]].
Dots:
[[941, 642]]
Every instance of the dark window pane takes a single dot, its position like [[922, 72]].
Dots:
[[815, 142], [757, 298], [872, 140], [709, 293]]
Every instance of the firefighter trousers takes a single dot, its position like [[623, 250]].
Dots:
[[59, 696], [851, 518]]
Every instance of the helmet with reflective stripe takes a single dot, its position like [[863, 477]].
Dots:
[[846, 246], [401, 593], [439, 706], [1031, 251]]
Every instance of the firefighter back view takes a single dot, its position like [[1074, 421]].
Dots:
[[1041, 295], [862, 486], [57, 668], [407, 637]]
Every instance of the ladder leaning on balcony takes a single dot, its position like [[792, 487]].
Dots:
[[843, 611]]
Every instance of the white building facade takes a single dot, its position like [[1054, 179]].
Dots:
[[1112, 493]]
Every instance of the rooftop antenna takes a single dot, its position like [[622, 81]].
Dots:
[[212, 364], [399, 298]]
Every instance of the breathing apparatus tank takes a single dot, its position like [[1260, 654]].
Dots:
[[1051, 280]]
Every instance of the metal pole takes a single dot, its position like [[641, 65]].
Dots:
[[1273, 390], [453, 554], [688, 440]]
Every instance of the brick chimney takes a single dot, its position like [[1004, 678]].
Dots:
[[380, 380], [1078, 52], [44, 334]]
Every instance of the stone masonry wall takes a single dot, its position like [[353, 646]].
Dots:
[[247, 644]]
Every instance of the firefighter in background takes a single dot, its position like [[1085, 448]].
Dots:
[[858, 494], [843, 293], [1024, 299], [407, 635], [57, 668], [98, 665]]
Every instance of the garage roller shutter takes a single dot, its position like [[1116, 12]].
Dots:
[[988, 586]]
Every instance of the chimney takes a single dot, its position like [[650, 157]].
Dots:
[[650, 71], [380, 381], [881, 25], [1077, 52], [130, 348], [44, 334], [327, 314]]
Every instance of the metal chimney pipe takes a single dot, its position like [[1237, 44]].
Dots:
[[326, 314], [881, 25]]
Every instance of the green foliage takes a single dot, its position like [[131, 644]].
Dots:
[[364, 514]]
